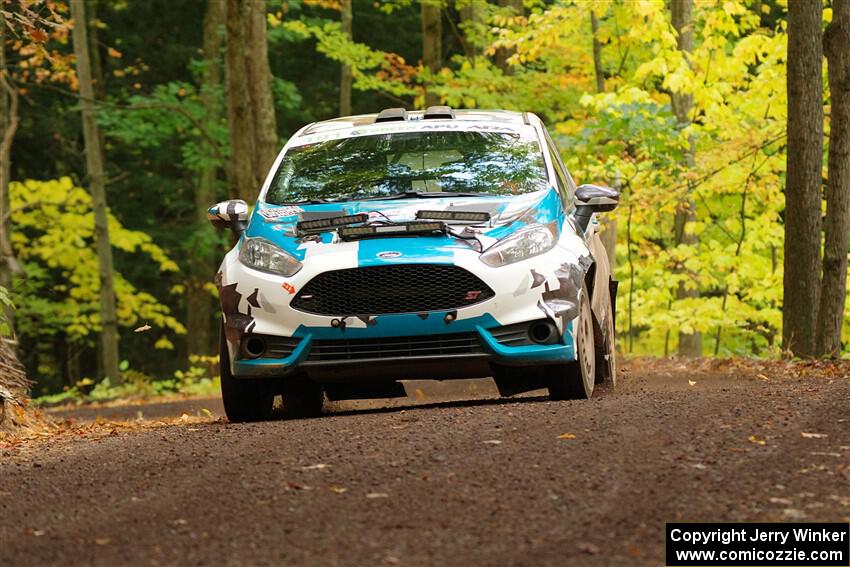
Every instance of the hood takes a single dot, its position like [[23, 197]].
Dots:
[[508, 214]]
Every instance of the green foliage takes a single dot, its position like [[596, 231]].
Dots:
[[198, 380], [53, 232]]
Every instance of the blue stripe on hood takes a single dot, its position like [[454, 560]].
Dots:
[[542, 207]]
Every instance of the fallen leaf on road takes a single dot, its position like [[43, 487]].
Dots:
[[206, 413], [588, 548], [142, 329], [762, 377], [296, 486], [337, 489], [179, 522], [34, 532], [757, 440], [316, 467], [492, 442], [184, 418], [692, 383], [566, 436], [377, 495], [783, 501], [793, 514], [102, 540], [805, 435]]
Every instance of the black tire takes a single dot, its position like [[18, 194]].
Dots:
[[575, 380], [302, 398], [244, 399], [606, 352]]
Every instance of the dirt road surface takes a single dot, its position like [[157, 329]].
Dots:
[[473, 481]]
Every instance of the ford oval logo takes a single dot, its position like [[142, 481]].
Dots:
[[388, 255]]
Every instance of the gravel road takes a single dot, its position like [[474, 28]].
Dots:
[[473, 482]]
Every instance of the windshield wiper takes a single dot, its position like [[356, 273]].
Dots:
[[424, 195]]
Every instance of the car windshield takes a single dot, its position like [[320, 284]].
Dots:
[[362, 167]]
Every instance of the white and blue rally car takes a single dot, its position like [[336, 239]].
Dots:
[[414, 245]]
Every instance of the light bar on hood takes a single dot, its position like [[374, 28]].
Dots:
[[467, 216], [330, 222], [401, 229]]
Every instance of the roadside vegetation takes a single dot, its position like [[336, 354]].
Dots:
[[724, 124]]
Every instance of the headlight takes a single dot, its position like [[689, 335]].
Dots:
[[262, 255], [524, 244]]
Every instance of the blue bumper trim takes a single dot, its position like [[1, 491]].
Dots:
[[273, 366], [528, 354]]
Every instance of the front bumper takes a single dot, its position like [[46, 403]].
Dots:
[[454, 355]]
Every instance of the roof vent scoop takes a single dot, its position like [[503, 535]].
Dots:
[[439, 113], [392, 115]]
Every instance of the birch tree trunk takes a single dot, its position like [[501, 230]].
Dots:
[[95, 168], [690, 344], [345, 78], [833, 290], [801, 283]]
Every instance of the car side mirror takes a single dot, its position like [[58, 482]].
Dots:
[[594, 199], [232, 214]]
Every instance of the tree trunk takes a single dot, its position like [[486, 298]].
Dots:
[[837, 225], [260, 82], [200, 304], [597, 53], [345, 78], [94, 165], [470, 20], [503, 54], [8, 127], [432, 44], [251, 113], [690, 344], [609, 224], [804, 165]]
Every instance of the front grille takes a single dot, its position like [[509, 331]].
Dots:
[[404, 288], [395, 347]]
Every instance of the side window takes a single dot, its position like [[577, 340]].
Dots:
[[566, 186]]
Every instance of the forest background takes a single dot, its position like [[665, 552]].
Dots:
[[119, 134]]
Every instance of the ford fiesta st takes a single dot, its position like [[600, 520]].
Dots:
[[414, 245]]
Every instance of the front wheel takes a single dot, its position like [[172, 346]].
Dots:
[[575, 380], [244, 399]]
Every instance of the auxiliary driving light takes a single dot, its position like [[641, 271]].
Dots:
[[331, 222], [468, 216]]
